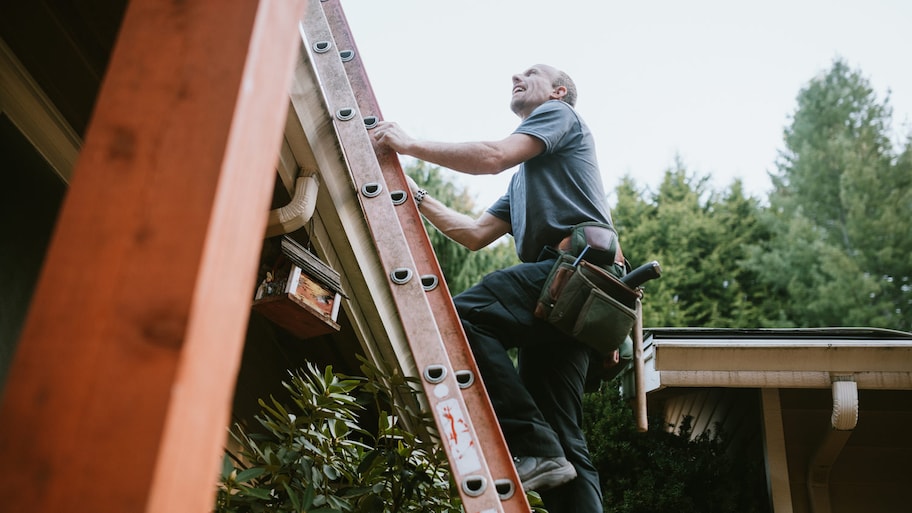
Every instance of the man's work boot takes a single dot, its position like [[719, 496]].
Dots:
[[543, 473]]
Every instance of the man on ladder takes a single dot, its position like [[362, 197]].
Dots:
[[558, 186]]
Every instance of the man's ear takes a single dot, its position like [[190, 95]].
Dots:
[[559, 92]]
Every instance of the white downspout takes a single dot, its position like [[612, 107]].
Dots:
[[299, 210], [843, 421]]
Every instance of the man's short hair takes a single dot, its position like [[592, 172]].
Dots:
[[563, 79]]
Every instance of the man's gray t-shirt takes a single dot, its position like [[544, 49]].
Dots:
[[557, 189]]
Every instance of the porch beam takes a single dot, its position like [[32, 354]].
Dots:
[[119, 395]]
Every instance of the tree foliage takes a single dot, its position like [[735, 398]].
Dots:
[[662, 470], [461, 268], [831, 247], [697, 236], [841, 254]]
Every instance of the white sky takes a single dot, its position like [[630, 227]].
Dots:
[[712, 81]]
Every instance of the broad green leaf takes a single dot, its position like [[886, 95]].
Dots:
[[250, 473]]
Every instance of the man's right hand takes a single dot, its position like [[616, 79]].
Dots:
[[391, 135]]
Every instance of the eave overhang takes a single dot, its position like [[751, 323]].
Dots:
[[338, 229], [777, 358]]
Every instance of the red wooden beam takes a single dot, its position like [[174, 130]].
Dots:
[[119, 395]]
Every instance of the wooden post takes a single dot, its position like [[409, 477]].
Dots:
[[639, 370], [119, 396]]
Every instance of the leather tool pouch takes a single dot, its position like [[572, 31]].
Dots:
[[589, 303], [598, 240]]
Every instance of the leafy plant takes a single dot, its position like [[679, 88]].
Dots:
[[314, 456], [663, 471]]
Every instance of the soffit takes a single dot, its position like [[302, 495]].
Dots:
[[65, 46]]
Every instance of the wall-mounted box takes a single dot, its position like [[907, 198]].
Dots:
[[304, 296]]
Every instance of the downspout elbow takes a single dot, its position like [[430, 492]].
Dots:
[[845, 403], [298, 211], [842, 422]]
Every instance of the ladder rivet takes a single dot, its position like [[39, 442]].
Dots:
[[371, 189], [347, 55], [322, 46], [464, 378], [429, 282], [474, 486], [399, 198], [504, 488], [345, 114], [401, 275], [371, 122], [435, 373]]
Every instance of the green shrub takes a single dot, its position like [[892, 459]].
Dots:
[[659, 471], [313, 455]]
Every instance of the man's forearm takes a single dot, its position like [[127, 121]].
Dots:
[[474, 158], [474, 234], [451, 223]]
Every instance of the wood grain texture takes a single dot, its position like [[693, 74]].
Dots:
[[119, 395]]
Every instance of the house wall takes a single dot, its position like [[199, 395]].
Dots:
[[730, 411]]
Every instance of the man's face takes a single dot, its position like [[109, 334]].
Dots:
[[532, 88]]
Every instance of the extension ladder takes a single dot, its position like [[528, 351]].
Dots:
[[479, 459]]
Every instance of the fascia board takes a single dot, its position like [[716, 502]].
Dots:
[[783, 356]]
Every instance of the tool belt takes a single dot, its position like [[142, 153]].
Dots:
[[600, 239], [581, 298]]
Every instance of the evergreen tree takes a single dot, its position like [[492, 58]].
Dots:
[[699, 237], [839, 210]]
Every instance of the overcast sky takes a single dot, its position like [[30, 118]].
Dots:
[[714, 82]]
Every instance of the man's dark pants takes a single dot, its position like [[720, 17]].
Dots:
[[540, 406]]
